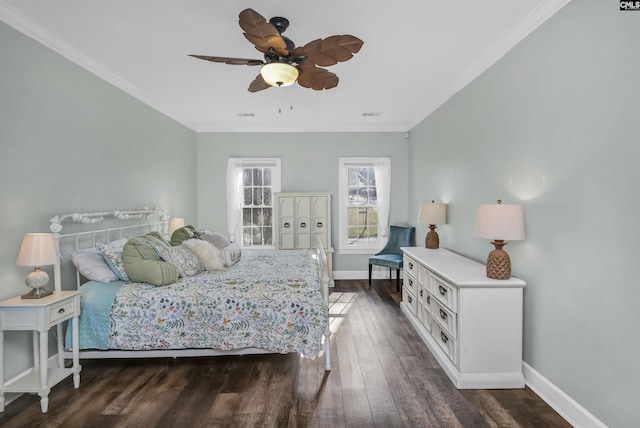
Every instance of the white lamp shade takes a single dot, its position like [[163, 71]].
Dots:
[[279, 74], [499, 221], [175, 223], [432, 213], [37, 249]]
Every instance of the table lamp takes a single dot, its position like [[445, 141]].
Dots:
[[432, 214], [174, 224], [499, 222], [37, 250]]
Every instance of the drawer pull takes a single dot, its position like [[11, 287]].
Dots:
[[429, 299], [444, 337], [287, 225], [319, 224], [303, 224], [442, 290], [410, 265], [61, 311], [443, 314], [410, 282], [410, 299], [421, 293]]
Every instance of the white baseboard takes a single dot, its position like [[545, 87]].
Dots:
[[363, 274], [566, 406]]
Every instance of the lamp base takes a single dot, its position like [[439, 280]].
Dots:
[[37, 293], [498, 262], [432, 240]]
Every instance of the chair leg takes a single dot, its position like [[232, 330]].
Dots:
[[370, 267], [397, 279]]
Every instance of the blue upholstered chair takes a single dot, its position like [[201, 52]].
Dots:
[[391, 255]]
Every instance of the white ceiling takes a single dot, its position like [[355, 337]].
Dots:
[[416, 54]]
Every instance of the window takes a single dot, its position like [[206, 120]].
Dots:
[[250, 187], [364, 204]]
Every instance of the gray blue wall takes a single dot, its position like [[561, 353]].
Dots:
[[309, 163], [554, 126], [69, 142]]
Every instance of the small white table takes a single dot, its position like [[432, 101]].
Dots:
[[39, 315]]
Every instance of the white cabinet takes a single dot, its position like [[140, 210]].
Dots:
[[300, 217], [471, 323]]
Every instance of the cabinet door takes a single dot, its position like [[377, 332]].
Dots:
[[286, 223], [303, 222]]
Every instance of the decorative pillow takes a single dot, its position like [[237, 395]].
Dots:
[[112, 253], [217, 239], [182, 234], [142, 261], [184, 259], [91, 264], [210, 257], [232, 254]]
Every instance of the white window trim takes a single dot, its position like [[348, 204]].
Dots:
[[235, 194], [383, 189]]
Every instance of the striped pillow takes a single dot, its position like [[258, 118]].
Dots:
[[142, 261]]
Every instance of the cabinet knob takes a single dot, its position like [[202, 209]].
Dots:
[[303, 224], [442, 290], [287, 225], [443, 314], [444, 337], [61, 311], [319, 224]]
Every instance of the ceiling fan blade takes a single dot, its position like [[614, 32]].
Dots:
[[317, 78], [330, 51], [262, 33], [232, 61], [258, 84]]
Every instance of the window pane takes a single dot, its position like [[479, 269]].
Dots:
[[246, 216], [267, 235], [246, 177], [247, 197], [257, 196], [267, 176], [267, 196], [257, 176], [268, 216], [246, 236]]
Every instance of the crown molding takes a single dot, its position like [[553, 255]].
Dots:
[[522, 29], [30, 28]]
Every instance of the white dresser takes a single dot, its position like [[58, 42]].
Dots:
[[300, 217], [471, 323]]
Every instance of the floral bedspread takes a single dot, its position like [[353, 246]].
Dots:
[[270, 300]]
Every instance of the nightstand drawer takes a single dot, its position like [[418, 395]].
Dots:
[[19, 319], [61, 311]]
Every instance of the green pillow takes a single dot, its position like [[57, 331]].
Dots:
[[142, 261], [182, 234]]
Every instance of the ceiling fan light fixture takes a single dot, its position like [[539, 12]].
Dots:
[[279, 74]]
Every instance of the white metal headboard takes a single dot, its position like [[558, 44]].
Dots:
[[126, 224]]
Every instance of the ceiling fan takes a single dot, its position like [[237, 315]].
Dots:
[[284, 63]]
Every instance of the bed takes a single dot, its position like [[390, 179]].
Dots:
[[270, 301]]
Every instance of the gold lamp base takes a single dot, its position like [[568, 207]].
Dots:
[[498, 262], [432, 240]]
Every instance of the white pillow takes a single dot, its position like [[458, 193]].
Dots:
[[91, 264], [113, 256], [210, 257], [217, 239], [183, 258], [232, 254]]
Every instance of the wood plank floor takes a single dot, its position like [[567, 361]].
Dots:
[[382, 376]]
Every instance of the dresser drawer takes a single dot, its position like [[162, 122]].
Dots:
[[411, 283], [445, 293], [448, 320], [410, 265], [61, 311], [410, 300], [447, 343]]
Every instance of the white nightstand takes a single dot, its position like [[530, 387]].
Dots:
[[39, 315]]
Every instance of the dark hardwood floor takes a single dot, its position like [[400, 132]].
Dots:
[[383, 375]]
